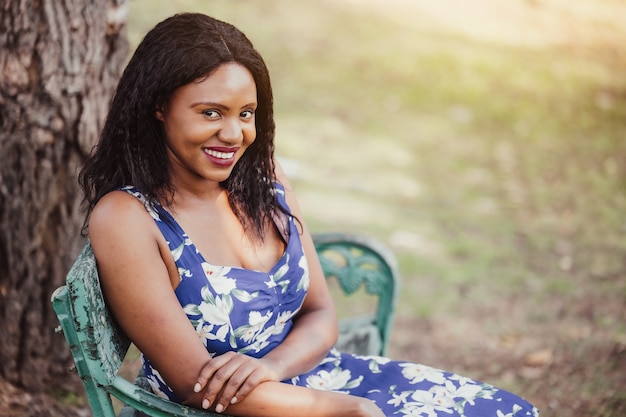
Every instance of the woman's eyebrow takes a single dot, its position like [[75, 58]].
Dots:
[[220, 105], [210, 104]]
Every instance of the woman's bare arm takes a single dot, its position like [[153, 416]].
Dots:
[[137, 284], [276, 399]]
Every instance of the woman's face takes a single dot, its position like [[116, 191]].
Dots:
[[210, 123]]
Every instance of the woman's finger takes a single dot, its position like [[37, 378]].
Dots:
[[221, 378], [207, 373], [247, 376]]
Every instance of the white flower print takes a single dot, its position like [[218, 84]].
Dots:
[[417, 373], [205, 332], [333, 357], [218, 311], [462, 394], [282, 319], [184, 273], [155, 382], [373, 366], [426, 403], [280, 273], [398, 399], [214, 311], [304, 280], [150, 209], [374, 362], [335, 380], [257, 320], [256, 335], [461, 379], [260, 341], [284, 285], [270, 282], [469, 392], [381, 360], [278, 191], [244, 296], [216, 275], [178, 251], [516, 409], [256, 323]]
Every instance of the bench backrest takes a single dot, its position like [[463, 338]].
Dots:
[[360, 262]]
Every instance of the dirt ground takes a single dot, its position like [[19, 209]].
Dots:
[[547, 362], [565, 368]]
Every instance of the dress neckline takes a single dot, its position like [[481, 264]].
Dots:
[[188, 242]]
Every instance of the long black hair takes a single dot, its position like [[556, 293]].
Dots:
[[132, 150]]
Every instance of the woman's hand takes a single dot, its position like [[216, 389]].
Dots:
[[228, 378], [369, 409]]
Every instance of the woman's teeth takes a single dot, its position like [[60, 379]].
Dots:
[[220, 155]]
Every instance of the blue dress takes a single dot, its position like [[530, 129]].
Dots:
[[251, 312]]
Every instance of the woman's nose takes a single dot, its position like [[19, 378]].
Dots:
[[231, 130]]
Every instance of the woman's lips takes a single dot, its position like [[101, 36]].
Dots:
[[221, 156]]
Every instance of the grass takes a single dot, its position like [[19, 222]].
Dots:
[[496, 171]]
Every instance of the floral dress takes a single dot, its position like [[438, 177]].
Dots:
[[251, 312]]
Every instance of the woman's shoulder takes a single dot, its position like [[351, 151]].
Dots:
[[119, 208], [120, 199]]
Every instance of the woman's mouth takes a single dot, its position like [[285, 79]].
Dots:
[[223, 157]]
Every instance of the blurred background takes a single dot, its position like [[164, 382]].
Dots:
[[485, 143]]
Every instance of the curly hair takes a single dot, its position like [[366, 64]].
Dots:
[[131, 149]]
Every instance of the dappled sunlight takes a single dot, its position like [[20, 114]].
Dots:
[[513, 22]]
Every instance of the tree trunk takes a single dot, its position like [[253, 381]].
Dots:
[[59, 63]]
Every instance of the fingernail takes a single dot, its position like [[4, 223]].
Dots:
[[234, 400], [197, 387], [206, 404], [219, 408]]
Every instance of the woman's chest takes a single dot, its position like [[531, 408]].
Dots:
[[223, 240]]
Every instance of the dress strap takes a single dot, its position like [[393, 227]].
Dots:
[[282, 217]]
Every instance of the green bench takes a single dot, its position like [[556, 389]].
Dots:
[[98, 346]]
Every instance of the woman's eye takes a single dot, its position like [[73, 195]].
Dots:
[[247, 114], [211, 113]]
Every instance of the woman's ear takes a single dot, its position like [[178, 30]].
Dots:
[[159, 113], [160, 109]]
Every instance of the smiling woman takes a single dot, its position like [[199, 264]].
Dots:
[[210, 119], [205, 261]]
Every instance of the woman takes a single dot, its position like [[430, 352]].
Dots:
[[204, 261]]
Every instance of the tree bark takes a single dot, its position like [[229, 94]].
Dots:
[[60, 61]]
